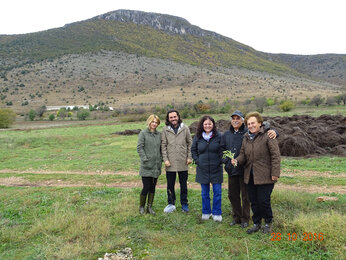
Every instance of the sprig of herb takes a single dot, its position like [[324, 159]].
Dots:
[[228, 154]]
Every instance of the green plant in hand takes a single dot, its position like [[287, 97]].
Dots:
[[228, 154]]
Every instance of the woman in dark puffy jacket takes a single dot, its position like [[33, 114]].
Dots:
[[207, 154]]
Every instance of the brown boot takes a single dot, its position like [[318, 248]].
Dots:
[[142, 199], [150, 203]]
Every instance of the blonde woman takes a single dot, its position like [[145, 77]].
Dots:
[[149, 150]]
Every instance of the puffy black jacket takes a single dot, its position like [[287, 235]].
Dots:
[[232, 141], [208, 157]]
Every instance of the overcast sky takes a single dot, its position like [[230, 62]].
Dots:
[[275, 26]]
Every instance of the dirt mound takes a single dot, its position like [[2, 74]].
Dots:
[[302, 135], [128, 132]]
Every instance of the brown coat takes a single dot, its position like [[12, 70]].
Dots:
[[263, 155], [176, 148]]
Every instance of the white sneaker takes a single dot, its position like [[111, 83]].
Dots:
[[205, 216], [217, 218], [169, 208]]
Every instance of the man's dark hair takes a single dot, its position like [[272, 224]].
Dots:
[[172, 111], [200, 126]]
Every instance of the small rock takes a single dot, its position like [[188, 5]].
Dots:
[[325, 198]]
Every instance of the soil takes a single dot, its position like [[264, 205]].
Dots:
[[21, 182], [302, 135]]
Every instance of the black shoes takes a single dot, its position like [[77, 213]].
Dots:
[[267, 228], [234, 222], [244, 224], [254, 229]]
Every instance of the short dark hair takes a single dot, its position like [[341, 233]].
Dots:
[[172, 111], [200, 125]]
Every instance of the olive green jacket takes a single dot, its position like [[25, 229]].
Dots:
[[149, 150]]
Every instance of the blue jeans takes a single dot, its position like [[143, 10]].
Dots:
[[217, 191]]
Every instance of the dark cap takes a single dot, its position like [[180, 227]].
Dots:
[[238, 113]]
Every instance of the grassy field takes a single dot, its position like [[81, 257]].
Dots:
[[72, 193]]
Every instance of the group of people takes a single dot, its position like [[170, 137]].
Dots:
[[252, 164]]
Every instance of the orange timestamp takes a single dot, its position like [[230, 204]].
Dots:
[[307, 236]]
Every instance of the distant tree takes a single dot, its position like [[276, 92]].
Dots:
[[260, 103], [306, 101], [40, 111], [343, 97], [51, 117], [270, 102], [330, 101], [317, 100], [82, 114], [31, 114], [286, 105], [338, 99], [7, 117], [62, 113]]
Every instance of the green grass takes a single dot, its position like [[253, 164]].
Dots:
[[320, 164], [86, 222], [307, 110]]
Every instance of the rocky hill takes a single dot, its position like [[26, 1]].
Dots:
[[127, 58]]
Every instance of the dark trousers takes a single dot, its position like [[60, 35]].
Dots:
[[149, 184], [259, 196], [171, 176], [238, 196]]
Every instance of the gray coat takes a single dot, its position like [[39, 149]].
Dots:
[[176, 148], [149, 150]]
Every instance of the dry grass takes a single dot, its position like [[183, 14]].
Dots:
[[128, 81]]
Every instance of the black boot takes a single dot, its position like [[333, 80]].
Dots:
[[142, 199], [255, 228], [267, 229], [150, 203]]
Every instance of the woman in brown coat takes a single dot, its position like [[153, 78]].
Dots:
[[260, 156]]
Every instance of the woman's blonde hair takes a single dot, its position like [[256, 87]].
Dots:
[[151, 119], [254, 114]]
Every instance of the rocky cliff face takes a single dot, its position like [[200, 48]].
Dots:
[[168, 23]]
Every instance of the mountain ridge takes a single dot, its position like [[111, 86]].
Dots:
[[38, 63]]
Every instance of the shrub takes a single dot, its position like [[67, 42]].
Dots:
[[286, 105], [51, 117], [82, 114], [40, 111], [317, 100], [62, 113], [7, 117], [31, 115], [270, 102]]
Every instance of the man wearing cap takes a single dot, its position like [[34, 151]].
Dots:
[[237, 192]]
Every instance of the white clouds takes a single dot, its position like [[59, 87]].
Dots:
[[286, 26]]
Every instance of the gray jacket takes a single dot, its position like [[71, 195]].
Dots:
[[149, 150], [176, 148]]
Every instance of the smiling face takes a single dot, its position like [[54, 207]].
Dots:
[[153, 125], [208, 126], [253, 125], [236, 122], [173, 119]]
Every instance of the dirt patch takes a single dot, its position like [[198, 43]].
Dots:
[[122, 173], [291, 173], [128, 132], [312, 188], [21, 182], [302, 135]]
